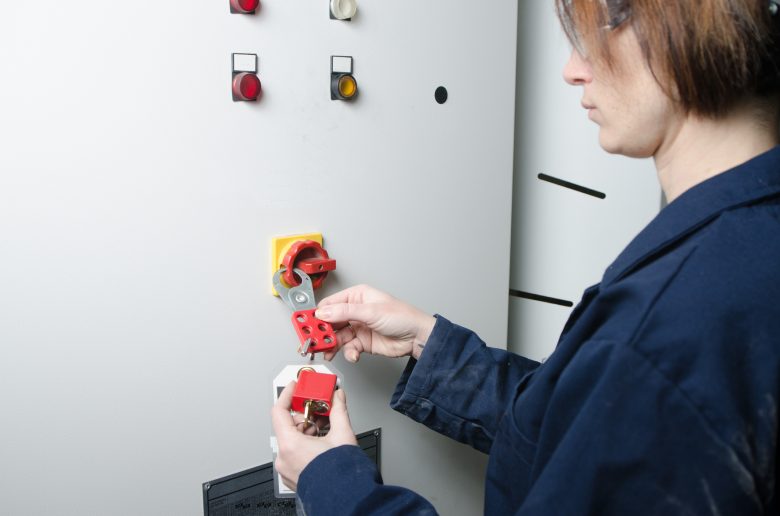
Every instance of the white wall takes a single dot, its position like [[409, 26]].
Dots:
[[137, 202], [562, 240]]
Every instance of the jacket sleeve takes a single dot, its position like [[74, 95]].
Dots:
[[460, 387], [343, 481]]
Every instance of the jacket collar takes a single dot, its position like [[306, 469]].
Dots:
[[744, 184]]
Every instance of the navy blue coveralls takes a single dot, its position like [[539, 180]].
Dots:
[[660, 398]]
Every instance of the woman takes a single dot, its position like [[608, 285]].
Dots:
[[661, 396]]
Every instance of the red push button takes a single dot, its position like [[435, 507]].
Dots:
[[246, 86], [244, 6]]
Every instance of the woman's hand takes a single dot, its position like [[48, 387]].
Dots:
[[370, 321], [296, 449]]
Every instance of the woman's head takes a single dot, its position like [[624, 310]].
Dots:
[[708, 55], [651, 63]]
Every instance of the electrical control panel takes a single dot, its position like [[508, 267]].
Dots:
[[136, 218]]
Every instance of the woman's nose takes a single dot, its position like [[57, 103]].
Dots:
[[577, 71]]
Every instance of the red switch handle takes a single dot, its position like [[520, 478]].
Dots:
[[321, 333], [313, 266], [311, 258], [314, 387]]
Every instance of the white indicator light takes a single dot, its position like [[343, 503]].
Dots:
[[343, 9]]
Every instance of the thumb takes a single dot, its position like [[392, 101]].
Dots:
[[281, 419], [340, 426]]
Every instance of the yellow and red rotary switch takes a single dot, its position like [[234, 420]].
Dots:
[[310, 257], [246, 84], [302, 251], [244, 6], [342, 9], [343, 85]]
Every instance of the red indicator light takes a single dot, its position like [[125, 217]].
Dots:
[[244, 6], [246, 86]]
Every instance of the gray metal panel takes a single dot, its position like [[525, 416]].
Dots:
[[562, 240], [137, 203]]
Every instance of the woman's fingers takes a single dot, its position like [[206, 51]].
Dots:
[[280, 413], [348, 295], [310, 429], [352, 345], [358, 294], [346, 334], [351, 353], [344, 312], [340, 426]]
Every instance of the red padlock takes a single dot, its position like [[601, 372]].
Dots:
[[316, 390], [319, 333], [311, 258]]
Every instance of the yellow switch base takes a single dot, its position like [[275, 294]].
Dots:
[[280, 246]]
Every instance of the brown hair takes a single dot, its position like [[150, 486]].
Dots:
[[707, 54]]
